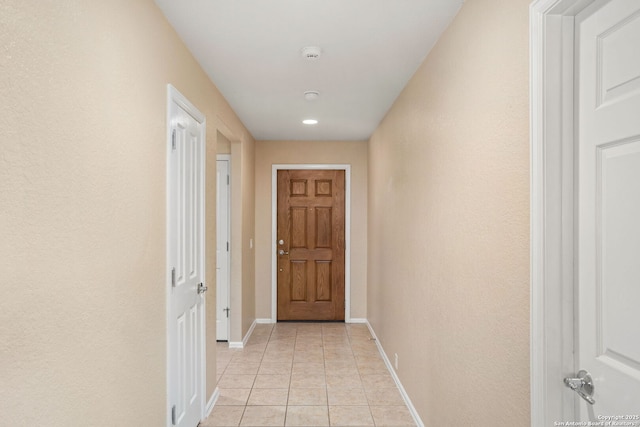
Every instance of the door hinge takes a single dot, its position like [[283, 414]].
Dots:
[[228, 180], [173, 415], [227, 246], [173, 139], [227, 310], [173, 277]]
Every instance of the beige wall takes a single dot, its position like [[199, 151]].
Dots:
[[300, 152], [224, 145], [82, 211], [448, 263], [248, 239], [242, 289]]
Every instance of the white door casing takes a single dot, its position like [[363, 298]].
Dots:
[[223, 252], [185, 261], [274, 231], [608, 320], [556, 296]]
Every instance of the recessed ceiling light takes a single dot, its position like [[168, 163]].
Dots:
[[310, 122]]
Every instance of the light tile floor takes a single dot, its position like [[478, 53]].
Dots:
[[306, 374]]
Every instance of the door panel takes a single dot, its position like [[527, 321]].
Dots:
[[185, 216], [311, 223], [608, 75]]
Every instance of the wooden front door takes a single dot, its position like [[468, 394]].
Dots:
[[311, 244]]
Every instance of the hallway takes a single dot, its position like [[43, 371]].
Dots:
[[439, 255], [306, 374]]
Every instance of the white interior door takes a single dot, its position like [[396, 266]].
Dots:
[[223, 265], [608, 321], [186, 262]]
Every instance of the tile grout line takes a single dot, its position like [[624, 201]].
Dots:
[[326, 386], [293, 358], [255, 379], [364, 390], [286, 407]]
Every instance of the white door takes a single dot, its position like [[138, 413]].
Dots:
[[185, 262], [608, 321], [223, 250]]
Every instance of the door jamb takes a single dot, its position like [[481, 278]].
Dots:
[[174, 96], [347, 231], [227, 157], [553, 285]]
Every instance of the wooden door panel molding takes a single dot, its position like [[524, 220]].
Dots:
[[311, 225], [323, 280], [323, 232], [298, 281], [324, 188], [298, 225], [298, 188]]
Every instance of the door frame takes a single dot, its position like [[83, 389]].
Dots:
[[174, 96], [226, 157], [347, 231], [553, 216]]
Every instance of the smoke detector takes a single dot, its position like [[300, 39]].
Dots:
[[311, 95], [311, 53]]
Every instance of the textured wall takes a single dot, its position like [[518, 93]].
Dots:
[[247, 185], [448, 265], [82, 208], [300, 152], [224, 145]]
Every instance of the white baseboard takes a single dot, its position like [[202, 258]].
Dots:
[[243, 343], [248, 334], [357, 320], [392, 371], [264, 321], [212, 402]]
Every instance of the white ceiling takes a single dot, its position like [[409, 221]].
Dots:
[[251, 50]]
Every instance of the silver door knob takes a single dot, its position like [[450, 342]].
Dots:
[[283, 252], [583, 385]]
